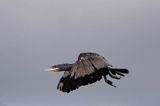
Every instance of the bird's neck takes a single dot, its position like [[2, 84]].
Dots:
[[66, 67]]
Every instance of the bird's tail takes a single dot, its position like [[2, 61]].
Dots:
[[119, 71]]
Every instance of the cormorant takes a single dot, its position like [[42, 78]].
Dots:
[[89, 68]]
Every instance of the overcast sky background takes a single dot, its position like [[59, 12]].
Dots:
[[35, 34]]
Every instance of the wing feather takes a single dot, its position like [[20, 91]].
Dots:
[[98, 61], [67, 84], [87, 64]]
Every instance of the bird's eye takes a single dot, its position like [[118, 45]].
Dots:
[[54, 66]]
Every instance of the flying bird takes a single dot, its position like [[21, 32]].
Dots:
[[89, 68]]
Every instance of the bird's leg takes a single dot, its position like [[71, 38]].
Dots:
[[108, 81], [113, 76]]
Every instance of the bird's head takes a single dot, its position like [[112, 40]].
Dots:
[[59, 67], [54, 68]]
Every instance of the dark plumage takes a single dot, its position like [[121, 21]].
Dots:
[[89, 68]]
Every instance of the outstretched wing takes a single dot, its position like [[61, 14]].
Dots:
[[87, 64], [67, 84], [86, 70]]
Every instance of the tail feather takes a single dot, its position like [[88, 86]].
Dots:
[[120, 74], [119, 70]]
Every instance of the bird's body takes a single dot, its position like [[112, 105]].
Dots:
[[89, 68]]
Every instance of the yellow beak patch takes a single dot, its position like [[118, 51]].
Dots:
[[52, 69]]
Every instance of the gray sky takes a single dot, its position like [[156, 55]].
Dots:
[[35, 34]]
